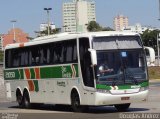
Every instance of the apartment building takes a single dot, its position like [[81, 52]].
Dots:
[[138, 28], [120, 22], [77, 14]]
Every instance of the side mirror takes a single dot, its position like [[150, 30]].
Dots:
[[93, 56]]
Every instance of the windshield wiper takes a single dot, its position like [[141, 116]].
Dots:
[[130, 75], [114, 82]]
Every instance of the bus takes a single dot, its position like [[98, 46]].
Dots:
[[150, 55], [66, 69]]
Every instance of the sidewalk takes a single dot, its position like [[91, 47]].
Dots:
[[2, 88], [2, 93], [154, 80]]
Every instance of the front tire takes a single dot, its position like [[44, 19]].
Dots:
[[122, 107], [75, 103]]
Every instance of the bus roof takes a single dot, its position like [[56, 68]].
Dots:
[[66, 36]]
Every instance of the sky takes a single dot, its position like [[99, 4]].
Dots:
[[29, 14]]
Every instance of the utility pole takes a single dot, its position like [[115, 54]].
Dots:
[[14, 33], [158, 47], [158, 35], [48, 9], [159, 10]]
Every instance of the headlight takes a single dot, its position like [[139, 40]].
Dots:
[[103, 91], [143, 88]]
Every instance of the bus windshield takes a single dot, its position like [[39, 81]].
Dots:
[[120, 65]]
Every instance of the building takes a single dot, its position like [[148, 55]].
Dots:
[[77, 14], [138, 28], [44, 26], [1, 40], [20, 36], [120, 22]]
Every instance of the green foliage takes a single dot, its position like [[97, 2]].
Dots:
[[93, 26], [52, 31], [149, 38], [1, 56], [107, 29], [154, 72]]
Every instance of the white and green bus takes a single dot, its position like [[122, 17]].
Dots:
[[67, 69]]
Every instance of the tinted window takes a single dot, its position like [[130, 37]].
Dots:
[[52, 53]]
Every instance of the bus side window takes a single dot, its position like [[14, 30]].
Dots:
[[57, 53], [8, 59], [35, 56], [26, 58], [22, 57], [48, 55], [75, 59], [16, 58], [30, 58], [42, 56]]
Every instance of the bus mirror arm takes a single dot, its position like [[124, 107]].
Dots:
[[93, 56]]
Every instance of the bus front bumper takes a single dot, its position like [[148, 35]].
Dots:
[[111, 99]]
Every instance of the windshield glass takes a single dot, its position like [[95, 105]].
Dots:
[[121, 66]]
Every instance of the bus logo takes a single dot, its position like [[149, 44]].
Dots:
[[65, 73]]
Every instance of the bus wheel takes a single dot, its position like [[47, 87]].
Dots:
[[19, 98], [25, 101], [75, 103], [122, 107]]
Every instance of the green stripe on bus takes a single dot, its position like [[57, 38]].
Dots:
[[67, 71], [77, 73], [21, 74], [50, 72], [144, 84], [100, 86], [32, 73], [36, 85], [11, 74], [122, 87]]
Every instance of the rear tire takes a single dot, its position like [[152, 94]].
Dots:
[[19, 98], [26, 101], [122, 107]]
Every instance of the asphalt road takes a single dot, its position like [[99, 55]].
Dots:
[[149, 109]]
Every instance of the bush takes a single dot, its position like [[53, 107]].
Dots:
[[154, 72]]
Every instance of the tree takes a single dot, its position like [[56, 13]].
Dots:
[[107, 29], [52, 31], [149, 38], [1, 55], [94, 26]]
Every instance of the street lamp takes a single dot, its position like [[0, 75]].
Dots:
[[158, 35], [48, 9], [159, 10], [14, 33]]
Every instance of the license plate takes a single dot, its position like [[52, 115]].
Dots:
[[125, 98]]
